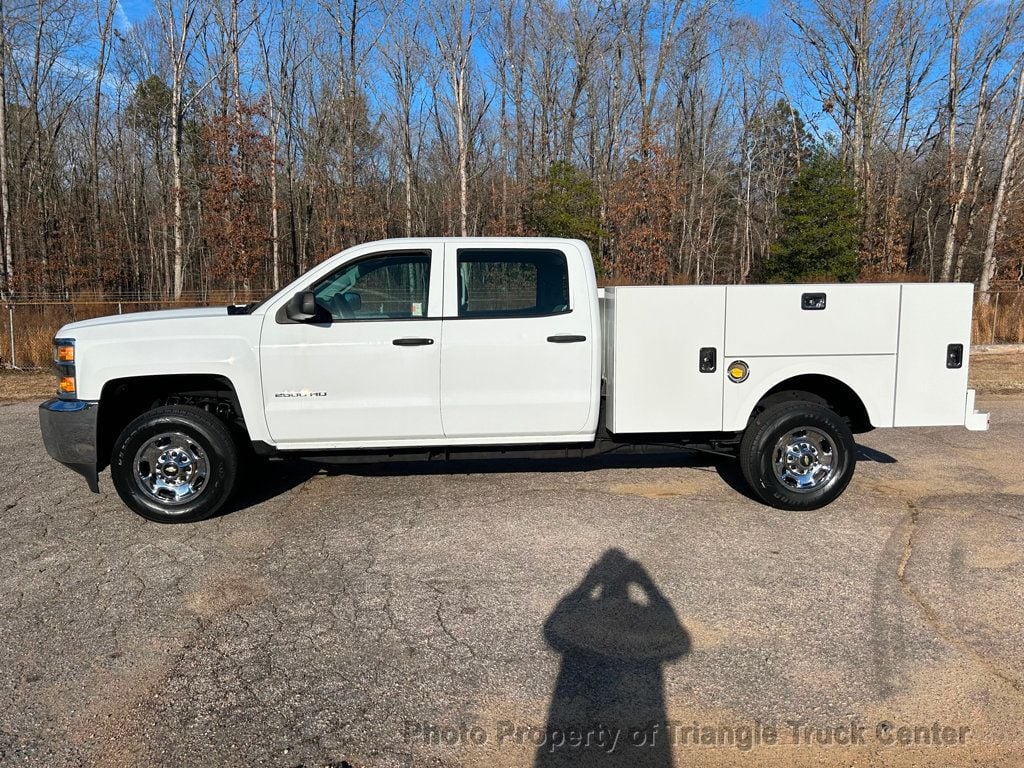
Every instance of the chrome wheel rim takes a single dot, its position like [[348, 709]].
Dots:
[[171, 469], [804, 459]]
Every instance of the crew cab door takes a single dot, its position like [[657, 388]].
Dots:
[[518, 346], [366, 369]]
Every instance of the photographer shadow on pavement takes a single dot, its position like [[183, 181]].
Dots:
[[615, 630]]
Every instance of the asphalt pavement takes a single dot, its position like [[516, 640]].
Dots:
[[622, 611]]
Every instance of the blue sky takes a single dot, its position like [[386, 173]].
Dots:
[[135, 10]]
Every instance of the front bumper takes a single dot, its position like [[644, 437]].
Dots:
[[69, 434]]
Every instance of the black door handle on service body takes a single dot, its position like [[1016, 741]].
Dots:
[[566, 338], [407, 342]]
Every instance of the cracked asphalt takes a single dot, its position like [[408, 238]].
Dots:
[[448, 615]]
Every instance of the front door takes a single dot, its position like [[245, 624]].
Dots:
[[518, 352], [366, 370]]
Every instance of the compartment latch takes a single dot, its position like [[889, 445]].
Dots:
[[708, 360], [955, 356], [812, 301]]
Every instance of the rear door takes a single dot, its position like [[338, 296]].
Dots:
[[517, 347]]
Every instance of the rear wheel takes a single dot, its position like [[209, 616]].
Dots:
[[798, 454], [174, 464]]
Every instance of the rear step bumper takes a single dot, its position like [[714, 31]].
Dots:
[[975, 421]]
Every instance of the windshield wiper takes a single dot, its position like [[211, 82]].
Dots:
[[243, 309]]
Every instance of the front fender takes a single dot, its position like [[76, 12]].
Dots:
[[225, 346]]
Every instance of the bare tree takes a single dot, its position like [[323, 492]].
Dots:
[[989, 51], [141, 157], [5, 189], [851, 55], [1011, 150], [179, 29], [587, 36], [664, 22], [404, 61], [104, 29], [454, 24]]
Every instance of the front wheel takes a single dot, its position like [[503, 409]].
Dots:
[[798, 455], [174, 464]]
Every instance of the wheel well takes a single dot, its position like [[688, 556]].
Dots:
[[124, 399], [825, 390]]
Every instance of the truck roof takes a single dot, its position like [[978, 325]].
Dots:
[[497, 240]]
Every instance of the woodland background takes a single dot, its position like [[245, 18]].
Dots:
[[214, 149]]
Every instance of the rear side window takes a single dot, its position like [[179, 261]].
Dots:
[[512, 283]]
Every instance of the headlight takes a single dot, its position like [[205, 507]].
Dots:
[[64, 362]]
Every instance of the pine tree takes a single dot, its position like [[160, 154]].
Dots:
[[820, 215], [565, 204]]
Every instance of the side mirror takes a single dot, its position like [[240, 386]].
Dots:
[[302, 307]]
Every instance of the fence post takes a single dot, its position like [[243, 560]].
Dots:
[[995, 317], [10, 320], [119, 307]]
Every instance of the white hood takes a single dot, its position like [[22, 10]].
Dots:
[[143, 317]]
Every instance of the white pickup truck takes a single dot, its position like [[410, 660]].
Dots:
[[496, 347]]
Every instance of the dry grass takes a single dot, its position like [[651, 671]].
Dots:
[[36, 324], [26, 385], [1001, 320], [997, 373]]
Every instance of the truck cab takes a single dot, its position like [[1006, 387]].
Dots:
[[440, 347], [435, 342]]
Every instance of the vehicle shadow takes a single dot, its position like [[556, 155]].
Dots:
[[272, 477], [864, 453], [266, 479], [615, 631]]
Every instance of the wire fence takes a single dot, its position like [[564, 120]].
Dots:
[[32, 321]]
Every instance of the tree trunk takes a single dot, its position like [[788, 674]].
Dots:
[[177, 190], [6, 288], [1013, 132], [97, 101]]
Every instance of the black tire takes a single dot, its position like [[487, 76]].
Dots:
[[758, 453], [204, 439]]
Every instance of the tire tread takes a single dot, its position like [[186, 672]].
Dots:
[[222, 454], [755, 441]]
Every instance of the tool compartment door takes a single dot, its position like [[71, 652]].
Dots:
[[932, 317], [770, 320], [654, 377]]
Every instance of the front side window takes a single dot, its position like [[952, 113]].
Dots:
[[512, 283], [378, 288]]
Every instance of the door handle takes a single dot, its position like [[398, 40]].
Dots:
[[566, 338], [412, 342]]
